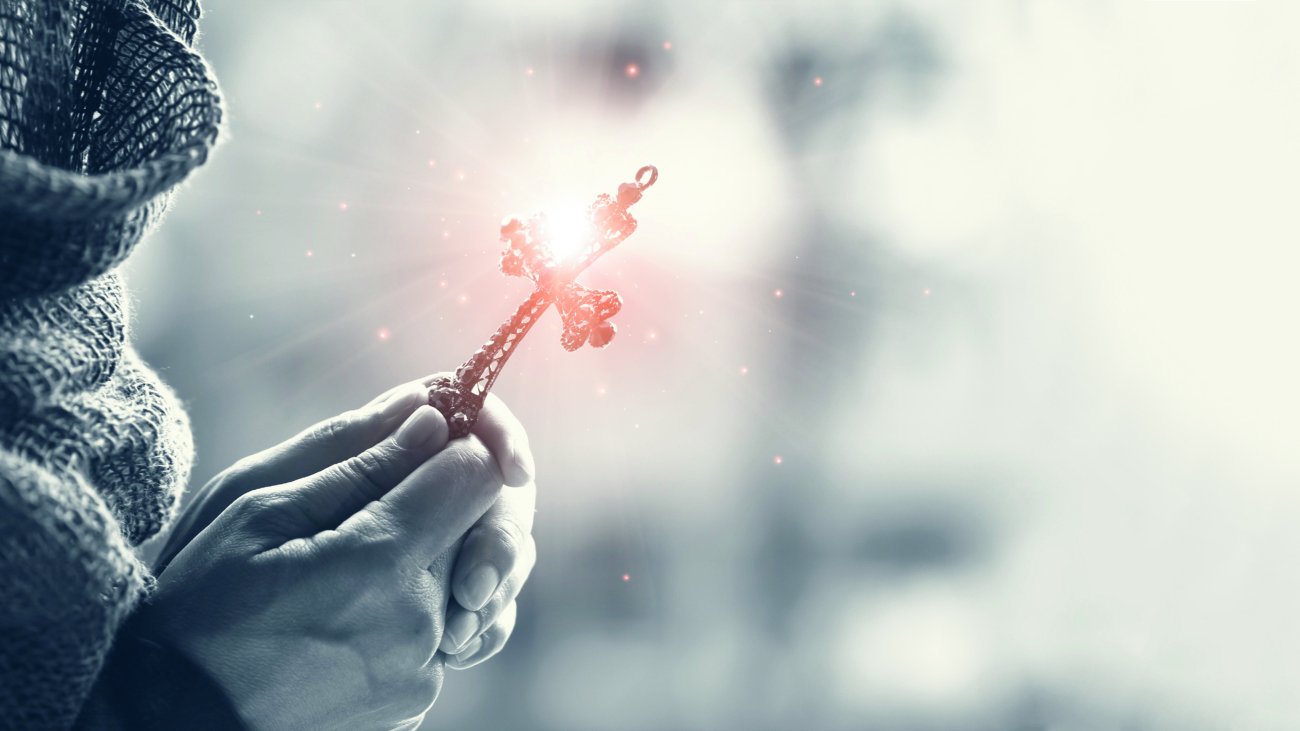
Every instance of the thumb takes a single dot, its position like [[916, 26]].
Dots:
[[322, 501]]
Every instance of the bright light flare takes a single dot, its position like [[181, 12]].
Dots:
[[570, 229]]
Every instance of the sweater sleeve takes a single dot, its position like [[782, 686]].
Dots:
[[68, 580], [146, 686]]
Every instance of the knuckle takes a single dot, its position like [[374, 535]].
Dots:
[[510, 541], [334, 428], [254, 504], [475, 464], [378, 545], [242, 467], [263, 510], [368, 474]]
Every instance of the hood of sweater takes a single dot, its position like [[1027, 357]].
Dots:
[[105, 107]]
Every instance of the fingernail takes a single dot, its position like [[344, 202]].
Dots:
[[480, 584], [524, 459], [418, 427], [462, 627], [471, 650], [404, 400]]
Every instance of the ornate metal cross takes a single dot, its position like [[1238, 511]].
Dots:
[[586, 312]]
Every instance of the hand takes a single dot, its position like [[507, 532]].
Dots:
[[498, 550], [256, 597]]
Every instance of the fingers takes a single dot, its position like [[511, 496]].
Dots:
[[494, 547], [505, 437], [336, 439], [487, 644], [326, 499], [436, 503], [463, 625], [496, 426]]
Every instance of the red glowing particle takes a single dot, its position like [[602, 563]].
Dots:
[[318, 105], [817, 81], [632, 70], [383, 334], [927, 291], [433, 163], [668, 45], [853, 294], [601, 390], [309, 253], [778, 293], [529, 71], [463, 298], [343, 206], [626, 577], [743, 370], [777, 459]]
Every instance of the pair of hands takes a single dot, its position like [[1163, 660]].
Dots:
[[311, 580]]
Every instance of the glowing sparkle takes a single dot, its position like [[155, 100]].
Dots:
[[743, 370], [309, 253], [318, 105], [778, 293], [668, 45], [927, 291], [853, 294], [433, 163], [601, 390], [632, 70], [460, 176], [569, 230], [259, 213], [343, 206], [383, 334], [627, 577], [817, 81], [777, 459], [463, 298], [443, 284], [528, 71]]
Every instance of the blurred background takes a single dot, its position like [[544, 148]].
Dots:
[[955, 382]]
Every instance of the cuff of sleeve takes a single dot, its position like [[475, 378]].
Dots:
[[146, 686]]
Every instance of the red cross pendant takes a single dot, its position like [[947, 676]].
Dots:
[[586, 312]]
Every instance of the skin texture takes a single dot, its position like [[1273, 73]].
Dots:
[[314, 580]]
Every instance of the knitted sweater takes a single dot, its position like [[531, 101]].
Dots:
[[104, 108]]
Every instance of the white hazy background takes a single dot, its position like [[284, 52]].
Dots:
[[1031, 374]]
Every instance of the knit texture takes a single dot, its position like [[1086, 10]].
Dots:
[[104, 108]]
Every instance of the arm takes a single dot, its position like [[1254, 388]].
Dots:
[[67, 581]]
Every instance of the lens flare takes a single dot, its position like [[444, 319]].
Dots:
[[570, 229]]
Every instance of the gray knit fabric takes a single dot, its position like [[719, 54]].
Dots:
[[104, 108]]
